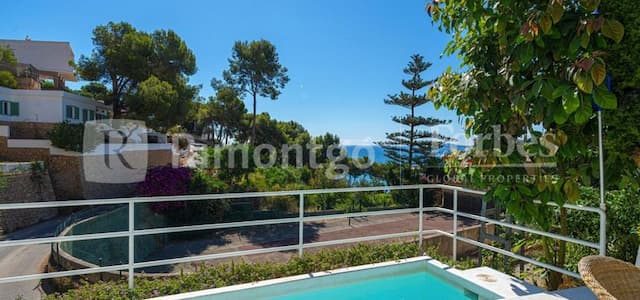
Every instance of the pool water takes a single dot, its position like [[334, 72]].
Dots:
[[412, 279], [418, 285]]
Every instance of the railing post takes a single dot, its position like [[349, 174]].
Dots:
[[301, 225], [455, 226], [603, 230], [420, 215], [131, 241]]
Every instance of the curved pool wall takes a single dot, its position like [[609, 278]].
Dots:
[[113, 251]]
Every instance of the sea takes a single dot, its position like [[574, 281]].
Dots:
[[376, 152]]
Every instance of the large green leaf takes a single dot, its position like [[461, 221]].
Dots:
[[583, 81], [559, 91], [590, 5], [604, 98], [598, 73], [560, 116], [613, 30], [583, 114], [556, 10], [545, 23], [570, 101]]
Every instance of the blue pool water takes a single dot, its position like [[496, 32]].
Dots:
[[415, 280], [419, 285]]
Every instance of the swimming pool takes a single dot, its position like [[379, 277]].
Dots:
[[417, 278]]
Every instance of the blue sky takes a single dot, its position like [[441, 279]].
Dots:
[[343, 57]]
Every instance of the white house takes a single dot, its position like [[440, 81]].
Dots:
[[48, 106], [40, 61]]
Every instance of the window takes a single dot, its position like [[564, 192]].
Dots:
[[8, 108], [72, 112], [88, 115]]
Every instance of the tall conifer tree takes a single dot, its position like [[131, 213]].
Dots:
[[413, 145]]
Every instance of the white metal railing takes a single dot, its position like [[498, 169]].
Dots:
[[131, 233]]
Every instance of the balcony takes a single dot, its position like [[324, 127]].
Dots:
[[132, 233]]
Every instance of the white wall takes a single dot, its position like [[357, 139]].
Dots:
[[45, 106], [35, 105]]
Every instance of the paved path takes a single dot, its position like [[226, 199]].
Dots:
[[25, 260], [248, 238]]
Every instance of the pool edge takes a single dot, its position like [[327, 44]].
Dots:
[[449, 273]]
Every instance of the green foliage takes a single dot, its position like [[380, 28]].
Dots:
[[622, 140], [255, 69], [525, 64], [266, 128], [221, 275], [225, 113], [155, 102], [126, 57], [231, 163], [96, 90], [412, 146], [8, 80], [7, 56], [68, 136], [622, 58], [623, 219]]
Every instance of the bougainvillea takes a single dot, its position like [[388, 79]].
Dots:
[[165, 181]]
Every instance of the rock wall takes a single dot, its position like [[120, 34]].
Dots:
[[24, 154], [69, 181], [29, 130], [24, 187]]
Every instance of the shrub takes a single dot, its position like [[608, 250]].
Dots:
[[226, 274], [67, 136], [204, 183], [165, 181], [623, 220], [8, 80]]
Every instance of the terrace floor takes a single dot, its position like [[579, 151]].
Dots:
[[256, 237]]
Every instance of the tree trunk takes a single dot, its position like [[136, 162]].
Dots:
[[411, 134], [253, 122], [558, 255], [115, 99]]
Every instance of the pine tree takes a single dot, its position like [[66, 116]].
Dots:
[[413, 146]]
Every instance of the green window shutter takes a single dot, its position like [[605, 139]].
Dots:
[[3, 109], [76, 113], [92, 115], [85, 115], [15, 108], [69, 114]]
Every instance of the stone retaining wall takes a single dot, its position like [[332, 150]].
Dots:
[[24, 154], [24, 187], [29, 130]]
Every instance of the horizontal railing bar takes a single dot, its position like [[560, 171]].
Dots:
[[213, 226], [47, 204], [68, 203], [62, 274], [66, 238], [520, 257], [574, 207], [171, 261], [531, 230], [362, 214], [362, 239], [119, 234]]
